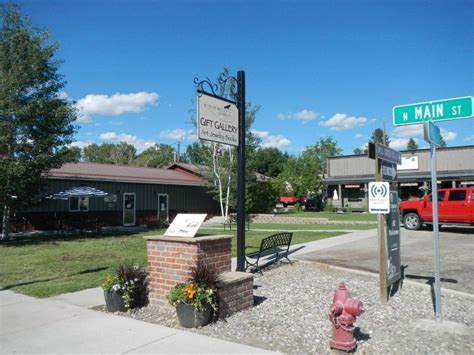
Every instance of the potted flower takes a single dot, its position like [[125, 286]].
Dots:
[[125, 289], [196, 299]]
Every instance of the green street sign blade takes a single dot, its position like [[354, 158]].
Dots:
[[440, 110]]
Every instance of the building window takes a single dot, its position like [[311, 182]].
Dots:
[[77, 204]]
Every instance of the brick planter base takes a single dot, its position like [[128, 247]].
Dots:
[[235, 292], [171, 258]]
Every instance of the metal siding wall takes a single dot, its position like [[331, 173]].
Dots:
[[350, 166], [180, 197], [447, 160]]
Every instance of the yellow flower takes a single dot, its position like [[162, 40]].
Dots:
[[190, 291]]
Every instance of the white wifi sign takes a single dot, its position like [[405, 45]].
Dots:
[[379, 197]]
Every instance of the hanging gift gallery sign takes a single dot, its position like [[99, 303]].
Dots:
[[217, 120]]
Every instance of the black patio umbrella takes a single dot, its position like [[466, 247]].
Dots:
[[79, 191]]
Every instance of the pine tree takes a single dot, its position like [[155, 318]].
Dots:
[[412, 145], [36, 120]]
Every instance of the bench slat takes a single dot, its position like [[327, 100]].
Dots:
[[268, 246]]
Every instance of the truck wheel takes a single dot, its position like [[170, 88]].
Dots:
[[412, 221]]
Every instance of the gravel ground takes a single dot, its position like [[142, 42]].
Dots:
[[291, 310]]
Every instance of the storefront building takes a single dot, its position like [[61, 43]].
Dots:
[[347, 177]]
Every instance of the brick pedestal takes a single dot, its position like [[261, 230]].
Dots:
[[235, 292], [171, 258]]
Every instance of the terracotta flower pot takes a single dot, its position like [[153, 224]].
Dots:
[[190, 318], [114, 301]]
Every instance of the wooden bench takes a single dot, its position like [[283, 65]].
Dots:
[[277, 244], [232, 219]]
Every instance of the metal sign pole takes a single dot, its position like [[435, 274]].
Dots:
[[381, 237], [241, 173], [434, 198]]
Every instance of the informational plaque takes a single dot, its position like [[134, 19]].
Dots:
[[185, 225]]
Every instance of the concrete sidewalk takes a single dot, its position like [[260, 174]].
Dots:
[[64, 324]]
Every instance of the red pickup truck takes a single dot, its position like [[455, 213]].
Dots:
[[455, 206], [291, 200]]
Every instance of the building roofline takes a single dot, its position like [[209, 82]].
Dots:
[[406, 151]]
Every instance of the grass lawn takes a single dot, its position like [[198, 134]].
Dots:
[[354, 216], [48, 266], [294, 227]]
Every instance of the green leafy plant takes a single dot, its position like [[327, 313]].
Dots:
[[131, 281], [199, 290], [328, 207]]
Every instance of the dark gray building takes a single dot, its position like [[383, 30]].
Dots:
[[347, 177], [136, 196]]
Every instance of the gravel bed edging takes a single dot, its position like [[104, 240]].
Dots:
[[291, 311]]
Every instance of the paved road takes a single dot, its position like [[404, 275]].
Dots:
[[457, 256]]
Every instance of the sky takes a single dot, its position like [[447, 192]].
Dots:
[[322, 68]]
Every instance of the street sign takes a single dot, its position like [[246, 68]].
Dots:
[[459, 107], [379, 197], [392, 220], [217, 120], [389, 171], [432, 134], [385, 153]]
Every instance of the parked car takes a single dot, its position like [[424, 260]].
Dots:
[[291, 200], [455, 206]]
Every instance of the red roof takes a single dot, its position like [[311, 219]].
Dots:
[[108, 172]]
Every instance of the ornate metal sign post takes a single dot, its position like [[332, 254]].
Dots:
[[241, 173], [239, 97]]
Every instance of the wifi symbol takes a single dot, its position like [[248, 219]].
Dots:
[[378, 190]]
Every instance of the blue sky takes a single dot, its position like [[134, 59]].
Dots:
[[316, 68]]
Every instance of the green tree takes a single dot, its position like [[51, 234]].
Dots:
[[378, 137], [412, 145], [158, 156], [124, 154], [325, 147], [36, 120], [108, 153], [300, 176], [269, 161], [76, 153], [197, 153], [95, 153], [358, 151]]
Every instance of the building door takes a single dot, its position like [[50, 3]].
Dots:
[[129, 209], [163, 207]]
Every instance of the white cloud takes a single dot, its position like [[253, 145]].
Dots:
[[81, 118], [81, 144], [399, 143], [341, 121], [114, 105], [192, 135], [269, 141], [303, 116], [447, 135], [469, 138], [408, 131], [176, 134], [402, 134], [359, 136], [139, 144]]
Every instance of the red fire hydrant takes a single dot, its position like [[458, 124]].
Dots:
[[343, 313]]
